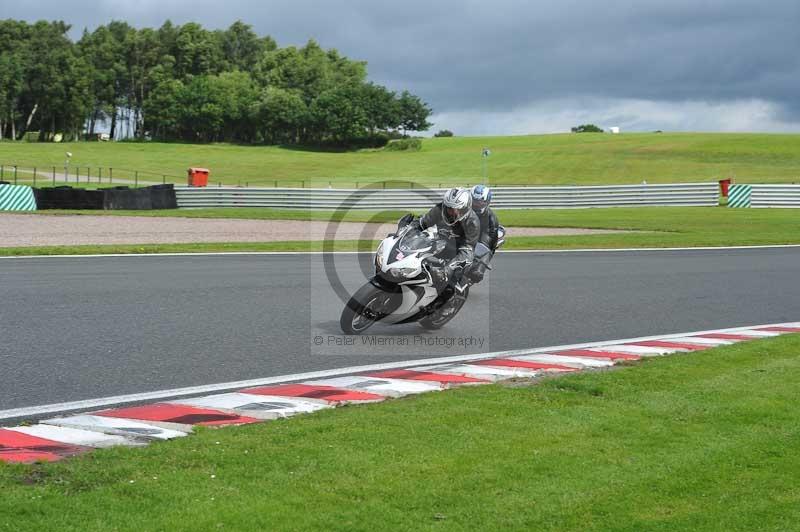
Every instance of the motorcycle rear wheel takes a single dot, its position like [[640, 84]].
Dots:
[[446, 312]]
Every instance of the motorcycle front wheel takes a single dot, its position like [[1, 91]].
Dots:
[[368, 305]]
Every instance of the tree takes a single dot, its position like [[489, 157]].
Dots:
[[186, 82], [197, 52], [414, 113], [280, 115], [55, 80], [381, 106], [142, 53], [14, 62], [163, 111], [336, 115], [443, 133], [241, 47], [587, 128]]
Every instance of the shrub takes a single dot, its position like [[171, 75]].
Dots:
[[586, 128], [443, 133], [404, 145]]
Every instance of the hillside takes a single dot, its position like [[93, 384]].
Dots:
[[537, 159]]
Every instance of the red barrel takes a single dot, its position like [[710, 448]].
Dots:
[[198, 177], [724, 184]]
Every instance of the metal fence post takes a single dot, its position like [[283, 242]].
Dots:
[[15, 174], [110, 175], [88, 174], [34, 177], [54, 176], [136, 179], [100, 174], [2, 171]]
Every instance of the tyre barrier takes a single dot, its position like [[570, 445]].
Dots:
[[114, 198]]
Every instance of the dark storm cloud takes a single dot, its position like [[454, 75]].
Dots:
[[502, 55]]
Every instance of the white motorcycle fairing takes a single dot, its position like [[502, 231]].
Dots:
[[416, 292], [406, 286]]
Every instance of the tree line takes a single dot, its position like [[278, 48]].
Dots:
[[188, 83]]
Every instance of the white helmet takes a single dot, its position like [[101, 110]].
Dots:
[[456, 204], [481, 198]]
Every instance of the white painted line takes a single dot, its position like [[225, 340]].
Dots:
[[701, 341], [494, 373], [381, 386], [89, 404], [617, 250], [71, 436], [644, 351], [214, 253], [199, 254], [115, 426], [258, 406], [573, 362], [761, 334]]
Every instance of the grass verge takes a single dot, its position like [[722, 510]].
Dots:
[[699, 442], [140, 249], [655, 227], [566, 159]]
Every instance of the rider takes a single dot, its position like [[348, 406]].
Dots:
[[481, 198], [454, 215]]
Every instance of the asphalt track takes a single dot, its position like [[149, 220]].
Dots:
[[79, 328]]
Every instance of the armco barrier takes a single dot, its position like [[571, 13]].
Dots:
[[16, 198], [683, 194], [786, 196]]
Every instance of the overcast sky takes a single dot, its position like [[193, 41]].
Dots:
[[506, 67]]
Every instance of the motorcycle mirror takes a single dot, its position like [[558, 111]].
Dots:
[[405, 220]]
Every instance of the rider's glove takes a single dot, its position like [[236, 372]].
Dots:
[[438, 275]]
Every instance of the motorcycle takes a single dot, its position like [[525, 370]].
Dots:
[[407, 286]]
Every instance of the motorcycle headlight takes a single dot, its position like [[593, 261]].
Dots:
[[404, 273]]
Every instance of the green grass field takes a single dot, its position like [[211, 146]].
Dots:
[[538, 159], [656, 227], [701, 442]]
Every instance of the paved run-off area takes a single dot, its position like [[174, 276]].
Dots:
[[64, 230]]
